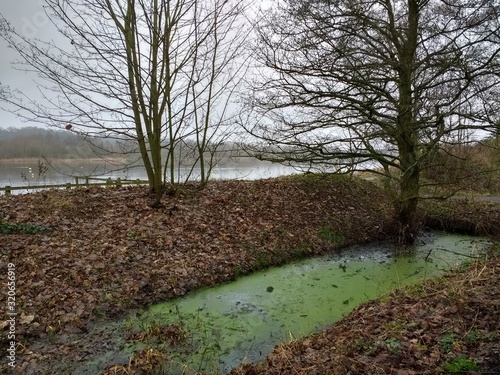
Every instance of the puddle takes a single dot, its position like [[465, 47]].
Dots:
[[242, 321]]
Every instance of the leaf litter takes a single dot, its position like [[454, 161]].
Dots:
[[108, 252]]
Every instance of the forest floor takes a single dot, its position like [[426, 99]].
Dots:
[[85, 255]]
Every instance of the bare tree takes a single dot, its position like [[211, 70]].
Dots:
[[155, 72], [376, 85]]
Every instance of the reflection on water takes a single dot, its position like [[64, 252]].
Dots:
[[27, 174]]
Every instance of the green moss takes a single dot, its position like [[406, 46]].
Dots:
[[392, 344], [367, 347], [300, 251], [327, 234], [448, 342], [461, 365], [27, 228]]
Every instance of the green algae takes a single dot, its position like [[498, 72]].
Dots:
[[242, 321]]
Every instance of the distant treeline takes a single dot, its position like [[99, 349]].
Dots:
[[34, 142]]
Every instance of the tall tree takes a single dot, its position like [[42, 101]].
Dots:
[[158, 72], [374, 84]]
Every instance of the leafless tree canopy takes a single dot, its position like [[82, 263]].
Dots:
[[334, 74]]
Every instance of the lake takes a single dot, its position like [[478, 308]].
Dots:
[[27, 173]]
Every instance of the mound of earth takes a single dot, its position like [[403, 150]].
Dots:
[[93, 253]]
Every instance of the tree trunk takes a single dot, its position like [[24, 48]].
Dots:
[[406, 207], [407, 136], [157, 190]]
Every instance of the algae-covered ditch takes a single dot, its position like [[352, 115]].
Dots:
[[218, 328]]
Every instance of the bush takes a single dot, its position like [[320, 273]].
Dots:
[[474, 167]]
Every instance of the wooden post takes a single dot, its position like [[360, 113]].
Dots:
[[76, 181], [86, 180], [7, 190], [68, 185]]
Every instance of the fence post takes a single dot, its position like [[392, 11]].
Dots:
[[68, 185], [7, 190], [76, 181], [87, 181]]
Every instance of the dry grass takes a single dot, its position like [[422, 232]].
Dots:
[[147, 361]]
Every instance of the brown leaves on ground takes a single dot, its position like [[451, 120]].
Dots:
[[442, 326], [108, 251], [467, 214]]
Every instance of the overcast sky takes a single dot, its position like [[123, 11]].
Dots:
[[28, 17]]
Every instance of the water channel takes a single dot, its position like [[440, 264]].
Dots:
[[242, 321]]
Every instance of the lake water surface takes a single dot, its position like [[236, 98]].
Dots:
[[26, 173]]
